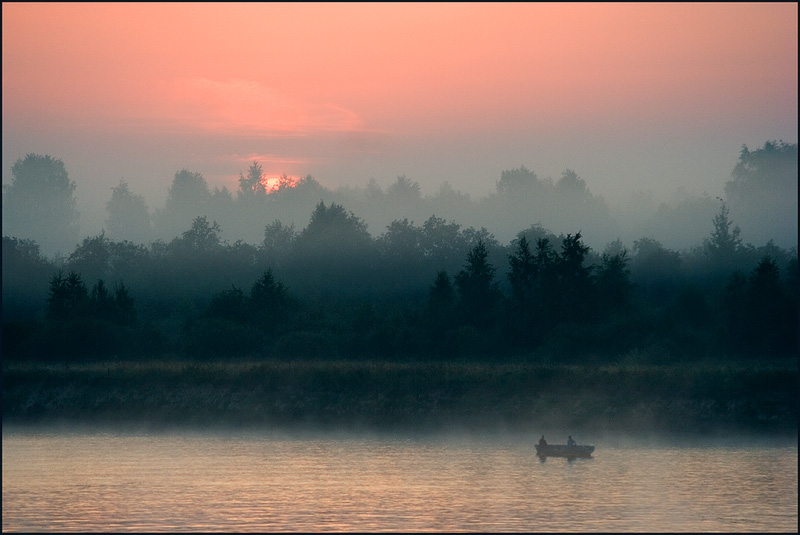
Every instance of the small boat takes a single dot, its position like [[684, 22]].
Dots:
[[560, 450]]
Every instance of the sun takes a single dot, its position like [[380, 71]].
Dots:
[[274, 183]]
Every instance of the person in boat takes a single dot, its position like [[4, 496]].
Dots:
[[542, 441], [570, 442]]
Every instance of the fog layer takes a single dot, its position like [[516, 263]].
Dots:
[[761, 194]]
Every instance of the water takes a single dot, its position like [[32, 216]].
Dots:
[[114, 481]]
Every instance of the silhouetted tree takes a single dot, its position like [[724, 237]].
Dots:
[[449, 202], [441, 296], [655, 269], [534, 232], [128, 216], [202, 236], [547, 289], [193, 265], [401, 242], [613, 282], [278, 237], [68, 297], [92, 257], [477, 289], [102, 303], [404, 191], [70, 301], [269, 302], [471, 236], [577, 205], [306, 188], [335, 252], [522, 276], [235, 323], [571, 184], [39, 203], [724, 243], [225, 211], [278, 242], [440, 314], [189, 191], [442, 243], [251, 185], [188, 197], [373, 191], [125, 311], [517, 182], [228, 304], [763, 192], [402, 258], [224, 329], [769, 308], [760, 319], [25, 271], [574, 282], [333, 229]]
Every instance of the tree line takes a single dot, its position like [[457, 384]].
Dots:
[[431, 291], [39, 203]]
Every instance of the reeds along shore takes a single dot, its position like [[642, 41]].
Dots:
[[418, 396]]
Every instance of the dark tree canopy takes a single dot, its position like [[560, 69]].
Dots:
[[68, 297], [613, 281], [476, 287], [522, 274], [761, 311], [269, 301], [202, 236], [401, 241], [334, 227], [539, 296], [278, 240]]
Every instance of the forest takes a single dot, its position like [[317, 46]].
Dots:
[[437, 290]]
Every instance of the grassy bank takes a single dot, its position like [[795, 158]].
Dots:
[[382, 395]]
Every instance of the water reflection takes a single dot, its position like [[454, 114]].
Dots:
[[202, 482]]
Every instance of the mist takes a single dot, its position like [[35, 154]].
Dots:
[[349, 262], [764, 208], [303, 269]]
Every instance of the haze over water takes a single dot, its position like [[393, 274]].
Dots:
[[299, 213], [94, 481]]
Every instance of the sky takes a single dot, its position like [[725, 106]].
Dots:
[[657, 97]]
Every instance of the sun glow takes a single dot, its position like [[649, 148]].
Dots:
[[273, 183]]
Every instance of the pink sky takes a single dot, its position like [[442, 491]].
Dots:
[[631, 96]]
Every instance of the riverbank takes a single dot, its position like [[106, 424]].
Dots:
[[395, 396]]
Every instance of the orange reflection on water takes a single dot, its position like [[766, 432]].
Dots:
[[201, 482]]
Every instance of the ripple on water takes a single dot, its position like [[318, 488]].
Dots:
[[207, 482]]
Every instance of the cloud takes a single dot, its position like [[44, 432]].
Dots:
[[262, 158], [248, 108]]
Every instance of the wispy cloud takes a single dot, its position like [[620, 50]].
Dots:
[[248, 108], [263, 158]]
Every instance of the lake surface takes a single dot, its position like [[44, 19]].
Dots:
[[195, 481]]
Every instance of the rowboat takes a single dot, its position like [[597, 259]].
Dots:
[[560, 450]]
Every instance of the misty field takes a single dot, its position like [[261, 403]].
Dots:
[[407, 396]]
